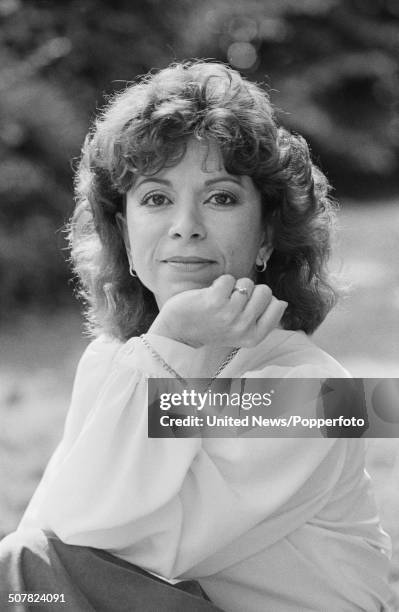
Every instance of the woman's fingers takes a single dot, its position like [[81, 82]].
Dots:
[[241, 295], [222, 287], [261, 314], [251, 311], [270, 318], [258, 302]]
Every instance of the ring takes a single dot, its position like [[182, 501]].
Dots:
[[241, 290]]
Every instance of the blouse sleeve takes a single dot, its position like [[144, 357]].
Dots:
[[166, 504]]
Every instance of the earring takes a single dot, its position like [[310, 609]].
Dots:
[[261, 267], [132, 271]]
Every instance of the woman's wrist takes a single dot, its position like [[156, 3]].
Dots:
[[160, 328]]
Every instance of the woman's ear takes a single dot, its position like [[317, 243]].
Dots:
[[266, 248], [263, 257], [123, 229]]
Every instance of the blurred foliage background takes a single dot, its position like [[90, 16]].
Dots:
[[332, 66]]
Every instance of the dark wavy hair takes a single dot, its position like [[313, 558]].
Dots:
[[146, 128]]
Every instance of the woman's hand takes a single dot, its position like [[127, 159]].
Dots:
[[220, 314]]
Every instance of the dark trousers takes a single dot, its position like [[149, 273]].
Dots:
[[36, 562]]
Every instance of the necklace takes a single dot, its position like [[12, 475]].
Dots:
[[225, 363], [169, 369]]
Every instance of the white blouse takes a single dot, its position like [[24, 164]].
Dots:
[[263, 523]]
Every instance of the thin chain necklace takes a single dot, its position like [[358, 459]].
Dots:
[[225, 363], [169, 369]]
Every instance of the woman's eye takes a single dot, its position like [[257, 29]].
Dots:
[[155, 199], [222, 198]]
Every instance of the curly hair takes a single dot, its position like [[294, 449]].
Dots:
[[146, 128]]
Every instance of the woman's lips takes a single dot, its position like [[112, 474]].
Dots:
[[188, 263], [188, 259]]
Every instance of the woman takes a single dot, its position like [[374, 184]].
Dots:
[[200, 236]]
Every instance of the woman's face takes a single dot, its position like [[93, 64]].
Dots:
[[188, 224]]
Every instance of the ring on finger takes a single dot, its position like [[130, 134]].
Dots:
[[241, 290]]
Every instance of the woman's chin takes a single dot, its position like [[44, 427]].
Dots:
[[176, 288]]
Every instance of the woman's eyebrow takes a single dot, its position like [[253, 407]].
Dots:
[[220, 179], [152, 179], [207, 183]]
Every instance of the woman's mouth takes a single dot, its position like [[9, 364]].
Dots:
[[188, 263]]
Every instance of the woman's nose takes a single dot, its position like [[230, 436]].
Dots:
[[187, 223]]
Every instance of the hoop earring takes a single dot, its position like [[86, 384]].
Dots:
[[132, 271], [261, 267]]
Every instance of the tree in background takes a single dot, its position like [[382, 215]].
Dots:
[[332, 66]]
